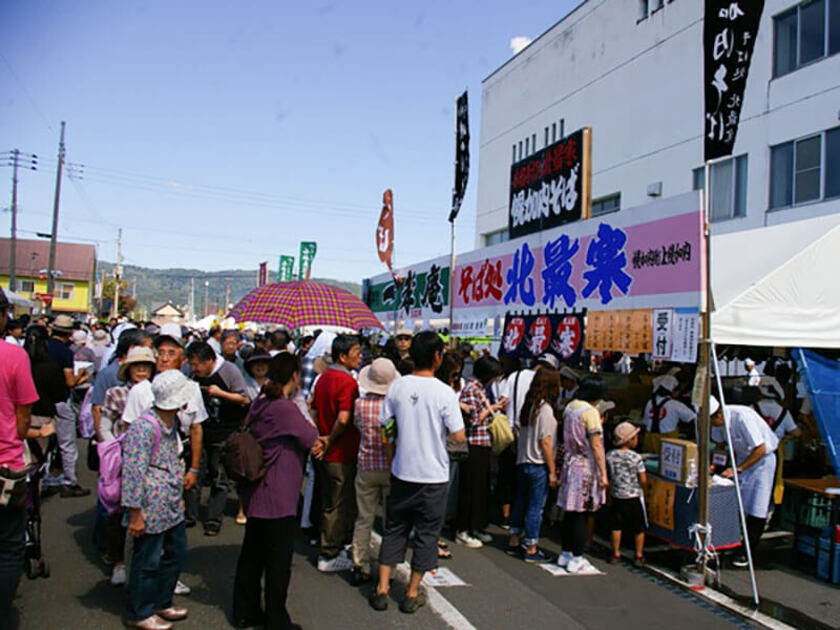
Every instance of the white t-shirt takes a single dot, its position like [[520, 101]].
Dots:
[[748, 431], [772, 409], [671, 413], [521, 384], [426, 411], [141, 399]]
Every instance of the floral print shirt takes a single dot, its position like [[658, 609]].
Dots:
[[153, 478]]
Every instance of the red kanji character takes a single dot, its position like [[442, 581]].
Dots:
[[492, 279], [478, 284], [466, 281]]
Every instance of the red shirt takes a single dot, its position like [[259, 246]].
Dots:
[[337, 391]]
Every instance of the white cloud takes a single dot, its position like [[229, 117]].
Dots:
[[518, 43]]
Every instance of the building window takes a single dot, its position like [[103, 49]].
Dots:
[[520, 150], [65, 291], [533, 143], [799, 167], [728, 198], [605, 205], [26, 286], [656, 5], [553, 133], [494, 238], [562, 128], [805, 33], [545, 144], [513, 154], [527, 147], [643, 10]]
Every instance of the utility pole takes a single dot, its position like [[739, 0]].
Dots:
[[115, 308], [192, 298], [29, 161], [101, 291], [227, 295], [206, 302], [54, 235]]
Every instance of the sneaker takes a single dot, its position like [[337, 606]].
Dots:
[[483, 537], [69, 492], [334, 565], [378, 601], [181, 588], [538, 557], [740, 562], [578, 564], [411, 605], [563, 559], [639, 563], [118, 575], [464, 538], [615, 559]]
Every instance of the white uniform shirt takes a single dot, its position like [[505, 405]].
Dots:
[[748, 429], [671, 413], [521, 381], [771, 410]]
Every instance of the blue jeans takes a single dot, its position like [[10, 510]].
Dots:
[[531, 492], [155, 567], [12, 536]]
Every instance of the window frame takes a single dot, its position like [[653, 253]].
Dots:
[[698, 182], [826, 45], [823, 168], [604, 199], [62, 287], [22, 286]]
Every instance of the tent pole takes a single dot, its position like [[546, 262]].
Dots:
[[735, 476], [703, 425]]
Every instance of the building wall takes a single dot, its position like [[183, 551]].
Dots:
[[639, 85], [78, 303]]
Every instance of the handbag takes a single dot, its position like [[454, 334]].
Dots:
[[501, 434], [242, 455]]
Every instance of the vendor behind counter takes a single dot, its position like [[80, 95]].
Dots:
[[663, 413]]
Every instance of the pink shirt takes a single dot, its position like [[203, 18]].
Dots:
[[16, 388]]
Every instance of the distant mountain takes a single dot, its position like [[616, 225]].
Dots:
[[156, 286]]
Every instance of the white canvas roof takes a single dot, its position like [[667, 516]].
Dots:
[[778, 286]]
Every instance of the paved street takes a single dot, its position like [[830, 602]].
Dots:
[[502, 592]]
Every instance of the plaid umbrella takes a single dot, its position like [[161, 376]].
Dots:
[[304, 303]]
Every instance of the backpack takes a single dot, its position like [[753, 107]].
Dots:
[[242, 456], [109, 486]]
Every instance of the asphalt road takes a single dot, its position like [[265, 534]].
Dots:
[[502, 592]]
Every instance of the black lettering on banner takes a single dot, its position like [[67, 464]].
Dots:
[[729, 36]]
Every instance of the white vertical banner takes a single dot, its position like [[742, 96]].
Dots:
[[663, 334], [686, 334]]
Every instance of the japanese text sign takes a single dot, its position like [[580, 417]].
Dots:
[[620, 331], [307, 255], [286, 268], [420, 291], [675, 335], [529, 336], [550, 187], [729, 33], [646, 257]]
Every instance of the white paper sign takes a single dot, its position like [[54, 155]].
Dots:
[[561, 572], [662, 337], [686, 335], [442, 578]]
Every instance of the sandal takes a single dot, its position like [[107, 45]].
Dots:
[[443, 544], [444, 554]]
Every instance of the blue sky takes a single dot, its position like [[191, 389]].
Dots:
[[218, 135]]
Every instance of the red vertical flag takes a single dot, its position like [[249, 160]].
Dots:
[[263, 274], [385, 230]]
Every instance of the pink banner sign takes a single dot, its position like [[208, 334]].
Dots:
[[597, 264]]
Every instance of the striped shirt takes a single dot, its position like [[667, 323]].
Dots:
[[366, 417], [475, 398]]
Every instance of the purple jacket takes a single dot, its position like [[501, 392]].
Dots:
[[285, 436]]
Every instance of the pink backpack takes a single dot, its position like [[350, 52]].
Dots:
[[109, 486]]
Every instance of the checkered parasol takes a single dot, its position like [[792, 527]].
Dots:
[[304, 303]]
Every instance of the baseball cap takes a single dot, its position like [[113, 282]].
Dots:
[[171, 332], [549, 360]]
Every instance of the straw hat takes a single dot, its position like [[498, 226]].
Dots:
[[101, 337], [63, 324], [623, 433], [137, 354], [79, 337], [171, 390], [378, 376]]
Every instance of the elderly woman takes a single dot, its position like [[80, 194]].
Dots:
[[583, 474]]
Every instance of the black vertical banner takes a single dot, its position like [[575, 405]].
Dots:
[[729, 34], [462, 155]]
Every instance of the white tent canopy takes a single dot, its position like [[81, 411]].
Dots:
[[18, 300], [776, 286]]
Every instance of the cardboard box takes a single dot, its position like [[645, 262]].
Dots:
[[678, 461]]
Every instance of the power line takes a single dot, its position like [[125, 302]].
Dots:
[[26, 93]]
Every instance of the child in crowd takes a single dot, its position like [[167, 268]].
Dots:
[[627, 481]]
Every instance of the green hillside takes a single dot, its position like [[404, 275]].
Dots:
[[155, 286]]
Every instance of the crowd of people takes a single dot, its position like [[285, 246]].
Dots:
[[347, 430]]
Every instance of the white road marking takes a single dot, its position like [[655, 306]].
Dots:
[[441, 606]]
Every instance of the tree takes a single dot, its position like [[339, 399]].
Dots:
[[127, 303]]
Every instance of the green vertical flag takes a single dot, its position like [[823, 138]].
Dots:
[[307, 254], [286, 268]]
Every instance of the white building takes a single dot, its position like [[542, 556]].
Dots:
[[633, 71]]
